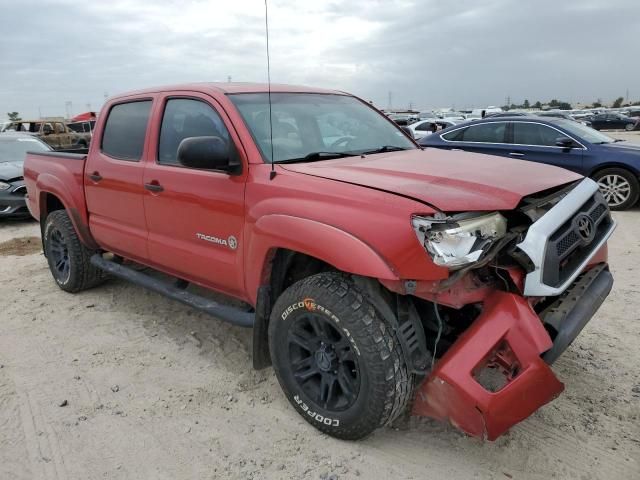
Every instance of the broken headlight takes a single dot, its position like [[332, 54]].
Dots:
[[459, 240]]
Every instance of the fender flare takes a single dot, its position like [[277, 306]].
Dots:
[[48, 184], [346, 253]]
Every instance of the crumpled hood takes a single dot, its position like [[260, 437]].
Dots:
[[10, 170], [452, 181]]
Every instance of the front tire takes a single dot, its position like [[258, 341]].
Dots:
[[338, 362], [619, 186], [68, 258]]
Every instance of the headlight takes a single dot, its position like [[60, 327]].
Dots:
[[5, 186], [459, 240]]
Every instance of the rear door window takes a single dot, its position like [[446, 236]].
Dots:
[[492, 132], [125, 130]]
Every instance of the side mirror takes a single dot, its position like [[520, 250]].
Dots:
[[408, 132], [208, 153], [564, 142]]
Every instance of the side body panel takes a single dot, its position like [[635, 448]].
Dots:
[[114, 192], [195, 224]]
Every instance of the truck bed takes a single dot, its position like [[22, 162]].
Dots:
[[61, 174]]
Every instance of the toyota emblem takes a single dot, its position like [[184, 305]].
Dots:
[[586, 228]]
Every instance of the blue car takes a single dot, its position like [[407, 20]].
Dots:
[[614, 164]]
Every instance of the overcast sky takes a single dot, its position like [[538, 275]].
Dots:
[[427, 53]]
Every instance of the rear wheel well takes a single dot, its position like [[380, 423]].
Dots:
[[613, 165], [51, 203]]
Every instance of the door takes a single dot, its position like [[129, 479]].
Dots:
[[536, 142], [195, 216], [485, 137], [113, 180]]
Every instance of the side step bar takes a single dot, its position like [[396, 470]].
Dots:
[[223, 312]]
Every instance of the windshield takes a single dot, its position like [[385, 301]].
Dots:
[[585, 133], [307, 123], [15, 149]]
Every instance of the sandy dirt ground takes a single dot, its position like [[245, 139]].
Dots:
[[120, 383]]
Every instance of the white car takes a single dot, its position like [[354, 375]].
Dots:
[[426, 127]]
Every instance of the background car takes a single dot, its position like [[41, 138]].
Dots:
[[53, 132], [613, 121], [614, 164], [566, 116], [13, 147], [506, 114], [427, 127]]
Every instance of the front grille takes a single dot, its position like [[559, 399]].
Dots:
[[567, 247]]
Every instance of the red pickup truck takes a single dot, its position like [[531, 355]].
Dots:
[[378, 277]]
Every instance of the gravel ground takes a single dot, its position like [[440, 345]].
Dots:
[[120, 383]]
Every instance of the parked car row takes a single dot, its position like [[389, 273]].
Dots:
[[614, 164]]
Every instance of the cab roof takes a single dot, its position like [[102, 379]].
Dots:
[[231, 88]]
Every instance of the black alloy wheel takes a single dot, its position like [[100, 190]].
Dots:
[[323, 362]]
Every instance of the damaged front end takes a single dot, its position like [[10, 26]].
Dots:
[[522, 286]]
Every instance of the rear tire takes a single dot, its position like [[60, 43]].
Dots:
[[620, 187], [629, 127], [68, 258], [338, 362]]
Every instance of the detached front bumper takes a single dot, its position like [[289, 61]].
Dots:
[[497, 373]]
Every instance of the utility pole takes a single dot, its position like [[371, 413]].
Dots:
[[68, 108], [390, 98], [228, 78]]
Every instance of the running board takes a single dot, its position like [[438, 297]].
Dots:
[[223, 312]]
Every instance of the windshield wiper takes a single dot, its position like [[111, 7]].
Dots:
[[317, 156], [383, 149], [619, 140]]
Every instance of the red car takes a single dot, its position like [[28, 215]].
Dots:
[[376, 275]]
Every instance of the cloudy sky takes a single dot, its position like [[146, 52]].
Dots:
[[425, 52]]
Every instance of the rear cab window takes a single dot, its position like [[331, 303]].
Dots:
[[125, 130]]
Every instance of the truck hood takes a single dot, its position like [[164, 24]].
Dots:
[[449, 180], [10, 170]]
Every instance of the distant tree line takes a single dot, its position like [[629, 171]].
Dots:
[[561, 105]]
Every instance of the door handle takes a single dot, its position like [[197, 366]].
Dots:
[[516, 154], [95, 176], [154, 187]]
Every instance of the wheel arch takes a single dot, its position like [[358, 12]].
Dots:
[[54, 196], [614, 164], [282, 261], [277, 237]]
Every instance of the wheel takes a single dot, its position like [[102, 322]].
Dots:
[[68, 258], [337, 361], [629, 126], [619, 187]]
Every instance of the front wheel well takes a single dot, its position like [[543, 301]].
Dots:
[[289, 267]]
